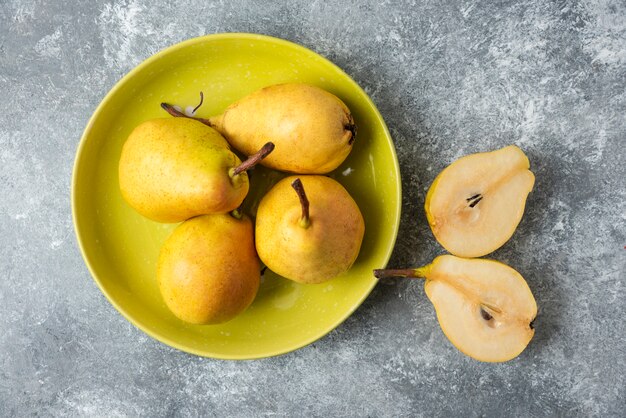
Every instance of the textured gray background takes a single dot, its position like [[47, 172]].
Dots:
[[450, 78]]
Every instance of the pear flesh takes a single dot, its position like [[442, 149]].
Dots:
[[173, 169], [476, 203], [484, 307], [208, 270], [315, 248], [313, 129]]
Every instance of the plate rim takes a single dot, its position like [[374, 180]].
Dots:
[[82, 245]]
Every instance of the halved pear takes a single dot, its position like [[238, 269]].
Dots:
[[475, 204], [484, 307]]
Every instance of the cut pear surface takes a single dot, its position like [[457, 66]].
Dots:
[[484, 307], [475, 204]]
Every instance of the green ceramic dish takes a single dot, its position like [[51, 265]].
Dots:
[[121, 248]]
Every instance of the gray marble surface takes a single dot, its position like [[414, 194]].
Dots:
[[450, 78]]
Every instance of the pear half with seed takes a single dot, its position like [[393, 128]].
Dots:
[[475, 204], [484, 307]]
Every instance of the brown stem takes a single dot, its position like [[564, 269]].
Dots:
[[254, 159], [199, 104], [350, 126], [178, 114], [304, 202], [389, 273]]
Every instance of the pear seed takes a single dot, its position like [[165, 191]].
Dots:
[[475, 199], [486, 315]]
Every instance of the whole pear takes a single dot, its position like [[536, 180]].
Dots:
[[313, 129], [173, 169], [311, 234], [208, 270]]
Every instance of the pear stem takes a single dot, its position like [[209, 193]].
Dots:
[[178, 114], [236, 213], [305, 221], [406, 273], [253, 159], [199, 104], [350, 126]]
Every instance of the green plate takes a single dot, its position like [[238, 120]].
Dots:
[[121, 248]]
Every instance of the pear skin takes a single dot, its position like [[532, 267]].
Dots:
[[314, 248], [313, 129], [484, 307], [208, 270], [173, 169], [476, 203]]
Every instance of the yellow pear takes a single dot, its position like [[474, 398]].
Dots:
[[484, 307], [173, 169], [308, 229], [208, 271], [475, 204], [313, 129]]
